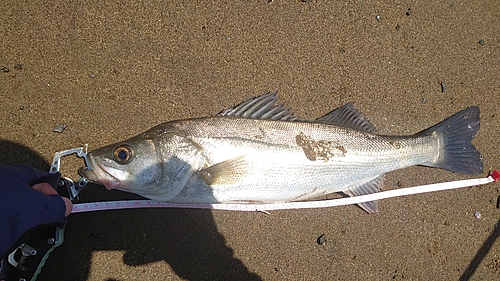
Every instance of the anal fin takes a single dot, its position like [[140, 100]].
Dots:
[[369, 187]]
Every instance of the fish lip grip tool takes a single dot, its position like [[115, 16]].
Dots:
[[72, 188], [26, 261]]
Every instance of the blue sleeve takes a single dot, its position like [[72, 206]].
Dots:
[[29, 175], [21, 206]]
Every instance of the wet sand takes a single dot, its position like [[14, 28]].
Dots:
[[110, 70]]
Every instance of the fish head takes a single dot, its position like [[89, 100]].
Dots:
[[132, 165], [156, 164]]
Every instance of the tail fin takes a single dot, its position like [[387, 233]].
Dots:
[[457, 153]]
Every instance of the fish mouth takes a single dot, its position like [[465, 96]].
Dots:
[[98, 174]]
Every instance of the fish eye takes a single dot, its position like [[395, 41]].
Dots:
[[123, 154]]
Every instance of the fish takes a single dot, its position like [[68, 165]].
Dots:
[[260, 152]]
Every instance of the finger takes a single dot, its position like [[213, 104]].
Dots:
[[45, 188], [69, 206]]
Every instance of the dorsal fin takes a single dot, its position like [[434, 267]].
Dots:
[[262, 107], [348, 116]]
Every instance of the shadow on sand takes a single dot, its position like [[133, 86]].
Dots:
[[481, 253]]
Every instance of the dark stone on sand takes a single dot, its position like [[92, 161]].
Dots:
[[321, 239]]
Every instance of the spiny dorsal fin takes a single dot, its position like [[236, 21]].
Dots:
[[262, 107], [372, 186], [348, 116]]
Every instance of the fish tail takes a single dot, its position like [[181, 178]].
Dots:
[[457, 153]]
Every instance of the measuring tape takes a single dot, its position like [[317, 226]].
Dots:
[[135, 204]]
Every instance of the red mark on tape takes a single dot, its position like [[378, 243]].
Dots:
[[495, 175]]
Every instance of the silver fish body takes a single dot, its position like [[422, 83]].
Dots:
[[276, 158]]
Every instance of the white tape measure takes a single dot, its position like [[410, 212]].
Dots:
[[134, 204]]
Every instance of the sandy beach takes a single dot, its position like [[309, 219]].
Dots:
[[109, 70]]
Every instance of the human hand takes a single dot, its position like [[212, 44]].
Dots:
[[28, 200], [47, 189]]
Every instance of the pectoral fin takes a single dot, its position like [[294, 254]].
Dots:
[[226, 172], [372, 186]]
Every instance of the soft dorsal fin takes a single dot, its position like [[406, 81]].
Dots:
[[262, 107], [348, 116]]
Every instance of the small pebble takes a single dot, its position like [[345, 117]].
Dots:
[[4, 69], [321, 239], [18, 66], [478, 215], [378, 18], [59, 129], [443, 87], [424, 100], [21, 107], [481, 42]]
